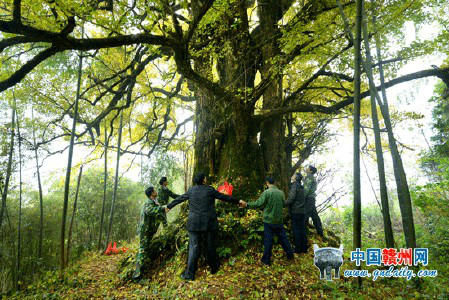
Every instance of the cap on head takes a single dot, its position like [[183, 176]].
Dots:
[[149, 191], [298, 177], [199, 178], [162, 180]]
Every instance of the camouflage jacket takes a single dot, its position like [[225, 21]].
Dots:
[[310, 186], [164, 193], [152, 214]]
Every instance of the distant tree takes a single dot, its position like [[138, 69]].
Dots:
[[357, 213], [39, 186], [9, 167], [160, 164], [403, 191], [116, 178], [19, 226], [105, 184], [231, 64], [75, 202], [388, 229], [69, 165]]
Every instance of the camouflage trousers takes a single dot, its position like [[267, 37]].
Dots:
[[142, 259]]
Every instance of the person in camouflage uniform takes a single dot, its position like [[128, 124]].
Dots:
[[150, 217], [310, 194], [164, 193]]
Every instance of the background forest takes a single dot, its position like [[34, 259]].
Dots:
[[99, 99]]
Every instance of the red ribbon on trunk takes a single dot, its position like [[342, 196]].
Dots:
[[226, 188]]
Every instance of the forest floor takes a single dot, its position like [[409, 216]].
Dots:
[[240, 277]]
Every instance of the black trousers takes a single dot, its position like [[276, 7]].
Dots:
[[311, 212], [269, 231], [197, 239], [299, 232]]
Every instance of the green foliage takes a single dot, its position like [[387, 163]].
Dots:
[[86, 224], [240, 276], [339, 221], [161, 163], [440, 116], [432, 198], [223, 41]]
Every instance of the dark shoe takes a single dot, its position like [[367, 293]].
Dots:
[[215, 270], [265, 263], [143, 281], [290, 257], [184, 277], [300, 251]]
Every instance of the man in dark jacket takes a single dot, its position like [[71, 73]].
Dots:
[[164, 192], [310, 186], [202, 223], [272, 202], [296, 204]]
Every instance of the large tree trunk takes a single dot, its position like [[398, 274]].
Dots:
[[69, 166], [240, 157], [204, 145], [226, 145], [388, 230], [39, 185], [273, 129], [9, 167], [231, 154]]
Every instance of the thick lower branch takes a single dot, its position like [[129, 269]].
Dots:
[[17, 76], [336, 108]]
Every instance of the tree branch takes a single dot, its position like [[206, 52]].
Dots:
[[18, 75], [16, 14], [333, 109], [196, 20]]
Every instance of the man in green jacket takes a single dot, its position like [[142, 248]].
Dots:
[[164, 192], [152, 214], [272, 202], [310, 194]]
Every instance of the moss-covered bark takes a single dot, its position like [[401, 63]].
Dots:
[[226, 146], [273, 129]]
